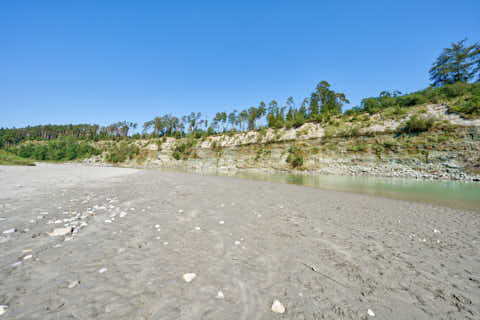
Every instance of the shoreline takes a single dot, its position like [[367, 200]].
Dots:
[[138, 233]]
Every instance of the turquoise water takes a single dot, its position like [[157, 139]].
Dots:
[[465, 195]]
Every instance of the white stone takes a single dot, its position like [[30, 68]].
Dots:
[[103, 270], [165, 243], [436, 231], [27, 257], [157, 226], [197, 228], [220, 295], [73, 284], [9, 231], [371, 313], [278, 307], [237, 243], [221, 222], [123, 214], [61, 232], [188, 277], [3, 309], [16, 264], [108, 221], [180, 210]]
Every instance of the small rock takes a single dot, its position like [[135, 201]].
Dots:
[[436, 231], [60, 232], [73, 284], [3, 309], [165, 243], [220, 295], [278, 307], [108, 221], [123, 214], [16, 264], [188, 277], [27, 257], [237, 242], [197, 228], [221, 222], [103, 270], [180, 210], [9, 231], [157, 226], [371, 313]]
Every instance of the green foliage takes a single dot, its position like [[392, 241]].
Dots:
[[65, 148], [10, 159], [358, 146], [262, 153], [418, 124], [469, 107], [295, 157], [455, 64], [122, 152], [184, 150]]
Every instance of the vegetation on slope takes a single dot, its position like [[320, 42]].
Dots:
[[65, 148], [451, 76], [10, 159]]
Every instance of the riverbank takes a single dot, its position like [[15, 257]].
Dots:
[[136, 233]]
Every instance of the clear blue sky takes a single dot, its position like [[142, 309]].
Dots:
[[106, 61]]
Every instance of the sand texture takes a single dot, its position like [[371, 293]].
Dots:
[[80, 242]]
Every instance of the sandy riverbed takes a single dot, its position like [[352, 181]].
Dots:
[[322, 254]]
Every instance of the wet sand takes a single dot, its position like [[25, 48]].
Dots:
[[322, 254]]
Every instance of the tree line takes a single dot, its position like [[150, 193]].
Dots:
[[451, 75]]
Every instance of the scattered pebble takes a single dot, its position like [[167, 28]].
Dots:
[[157, 226], [221, 222], [371, 313], [16, 264], [27, 257], [197, 228], [103, 270], [237, 242], [188, 277], [61, 232], [180, 210], [123, 214], [436, 231], [9, 231], [3, 309], [220, 295], [108, 221], [165, 243], [278, 307], [73, 284]]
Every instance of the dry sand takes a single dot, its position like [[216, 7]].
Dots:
[[322, 254]]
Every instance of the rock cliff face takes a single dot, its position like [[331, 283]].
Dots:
[[369, 147]]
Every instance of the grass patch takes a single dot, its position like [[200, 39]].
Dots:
[[10, 159]]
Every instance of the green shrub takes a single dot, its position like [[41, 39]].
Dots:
[[65, 148], [295, 157], [122, 152], [418, 124]]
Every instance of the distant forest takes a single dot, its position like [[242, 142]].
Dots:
[[455, 73]]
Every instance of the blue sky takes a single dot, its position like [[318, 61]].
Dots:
[[106, 61]]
